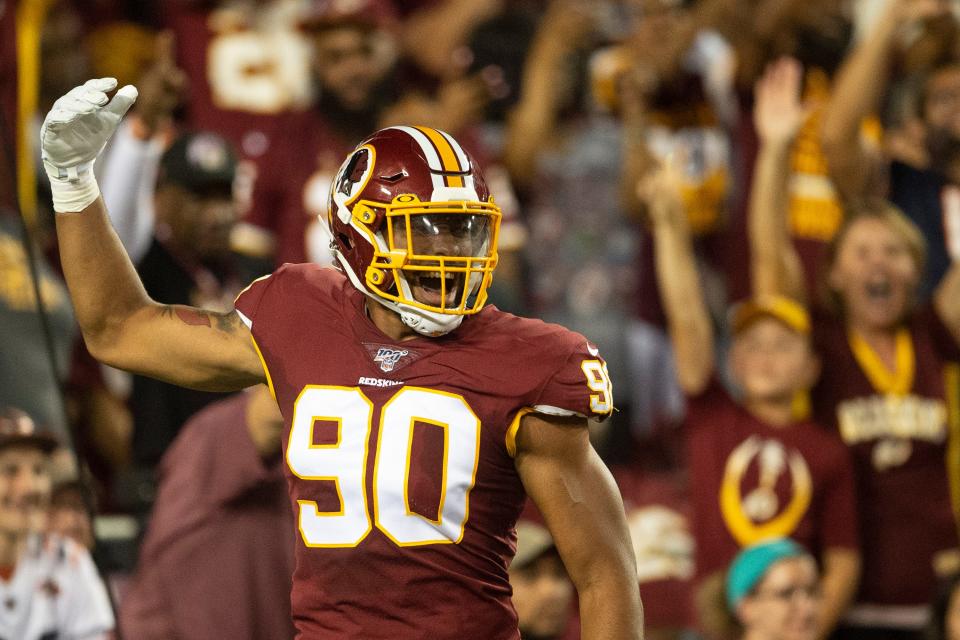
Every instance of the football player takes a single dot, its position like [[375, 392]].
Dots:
[[417, 419]]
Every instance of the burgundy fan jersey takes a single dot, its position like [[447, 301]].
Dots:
[[399, 454], [901, 428]]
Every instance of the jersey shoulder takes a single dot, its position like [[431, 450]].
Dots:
[[569, 375], [292, 290]]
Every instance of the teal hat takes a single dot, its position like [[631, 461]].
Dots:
[[752, 563]]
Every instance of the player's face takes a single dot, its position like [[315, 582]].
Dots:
[[875, 274], [786, 603], [771, 361], [24, 490], [346, 65], [542, 594], [444, 235]]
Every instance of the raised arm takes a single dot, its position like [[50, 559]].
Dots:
[[530, 125], [778, 115], [688, 320], [128, 173], [579, 500], [121, 325], [858, 91]]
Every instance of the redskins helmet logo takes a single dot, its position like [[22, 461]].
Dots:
[[353, 173]]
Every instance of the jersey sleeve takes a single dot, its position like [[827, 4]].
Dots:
[[253, 301], [581, 386]]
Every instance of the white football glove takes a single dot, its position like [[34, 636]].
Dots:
[[73, 135]]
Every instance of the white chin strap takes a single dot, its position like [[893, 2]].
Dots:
[[425, 323]]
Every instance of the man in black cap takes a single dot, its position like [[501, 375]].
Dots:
[[49, 586], [188, 261]]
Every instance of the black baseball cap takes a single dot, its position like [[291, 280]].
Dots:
[[201, 162]]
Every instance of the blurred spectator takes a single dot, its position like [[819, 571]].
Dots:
[[922, 183], [944, 623], [247, 65], [817, 34], [656, 499], [772, 591], [70, 509], [542, 591], [217, 558], [756, 470], [177, 232], [446, 25], [49, 586], [563, 156], [27, 377], [888, 389], [287, 217]]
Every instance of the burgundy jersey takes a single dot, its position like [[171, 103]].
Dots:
[[750, 482], [8, 102], [899, 429], [400, 454]]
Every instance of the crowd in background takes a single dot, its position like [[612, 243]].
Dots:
[[751, 206]]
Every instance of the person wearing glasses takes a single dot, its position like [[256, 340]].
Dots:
[[772, 590]]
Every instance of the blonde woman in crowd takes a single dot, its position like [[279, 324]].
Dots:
[[887, 388]]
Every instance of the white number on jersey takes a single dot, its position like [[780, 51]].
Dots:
[[345, 461]]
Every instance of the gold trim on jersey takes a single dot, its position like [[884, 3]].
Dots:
[[511, 438], [266, 371], [473, 474], [897, 382], [336, 479]]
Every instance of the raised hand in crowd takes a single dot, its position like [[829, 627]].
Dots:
[[547, 83], [860, 87], [687, 317], [778, 115], [162, 89]]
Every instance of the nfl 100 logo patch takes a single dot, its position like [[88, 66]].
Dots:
[[388, 357]]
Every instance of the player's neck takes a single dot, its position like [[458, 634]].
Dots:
[[775, 412], [389, 322]]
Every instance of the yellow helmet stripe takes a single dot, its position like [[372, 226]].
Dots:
[[447, 156]]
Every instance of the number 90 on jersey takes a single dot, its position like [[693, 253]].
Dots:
[[344, 462]]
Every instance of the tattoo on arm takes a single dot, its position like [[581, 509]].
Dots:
[[225, 322]]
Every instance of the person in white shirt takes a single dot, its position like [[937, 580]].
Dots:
[[49, 586]]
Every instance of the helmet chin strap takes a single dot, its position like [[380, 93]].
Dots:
[[426, 323]]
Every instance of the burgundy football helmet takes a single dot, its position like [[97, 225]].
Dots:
[[414, 226]]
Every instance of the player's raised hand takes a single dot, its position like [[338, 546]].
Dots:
[[73, 135]]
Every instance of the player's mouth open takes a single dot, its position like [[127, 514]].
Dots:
[[429, 286]]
